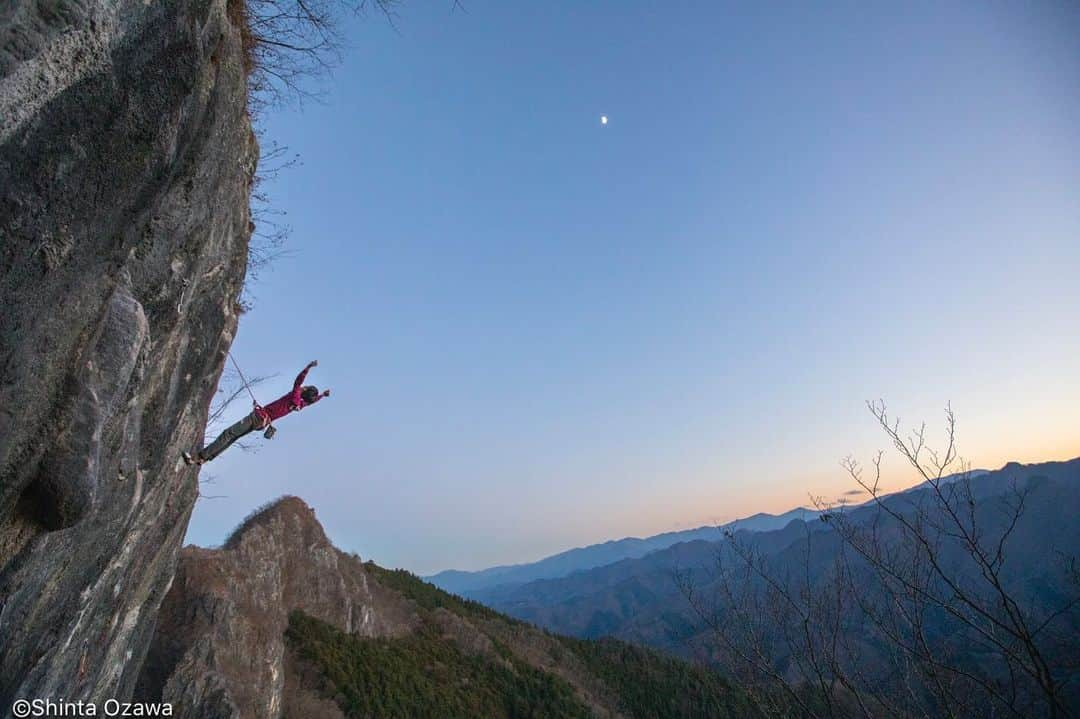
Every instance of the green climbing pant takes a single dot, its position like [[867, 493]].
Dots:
[[234, 432]]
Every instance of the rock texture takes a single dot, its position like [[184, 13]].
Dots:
[[220, 649], [126, 159], [222, 646]]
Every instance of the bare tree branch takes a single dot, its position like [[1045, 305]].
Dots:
[[898, 608]]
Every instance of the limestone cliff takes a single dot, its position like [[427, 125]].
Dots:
[[126, 159]]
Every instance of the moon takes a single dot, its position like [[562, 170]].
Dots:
[[603, 119]]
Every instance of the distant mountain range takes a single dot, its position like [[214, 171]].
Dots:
[[640, 600], [592, 556], [636, 598], [599, 555]]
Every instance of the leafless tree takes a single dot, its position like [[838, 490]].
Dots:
[[271, 231], [900, 610], [206, 484], [288, 42], [231, 389]]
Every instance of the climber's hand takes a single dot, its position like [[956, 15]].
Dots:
[[326, 393], [313, 363]]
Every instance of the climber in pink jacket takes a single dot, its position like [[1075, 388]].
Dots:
[[263, 416]]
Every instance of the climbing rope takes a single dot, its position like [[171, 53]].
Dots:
[[270, 431], [243, 379]]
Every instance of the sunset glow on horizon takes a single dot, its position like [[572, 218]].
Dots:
[[541, 336]]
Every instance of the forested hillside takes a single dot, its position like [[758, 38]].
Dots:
[[280, 622]]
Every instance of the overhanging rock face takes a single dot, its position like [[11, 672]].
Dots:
[[126, 159]]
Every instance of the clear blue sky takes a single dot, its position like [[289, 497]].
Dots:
[[542, 332]]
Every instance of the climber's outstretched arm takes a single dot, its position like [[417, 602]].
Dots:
[[303, 374]]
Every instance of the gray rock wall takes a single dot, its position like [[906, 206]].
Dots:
[[126, 159]]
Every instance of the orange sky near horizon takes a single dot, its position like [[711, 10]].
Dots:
[[829, 483]]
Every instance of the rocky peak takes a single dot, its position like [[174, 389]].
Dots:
[[219, 649], [286, 517], [279, 623]]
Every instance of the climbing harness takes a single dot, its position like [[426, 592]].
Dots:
[[270, 429]]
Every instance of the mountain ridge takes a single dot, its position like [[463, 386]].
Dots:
[[278, 622], [601, 553], [591, 556], [638, 600]]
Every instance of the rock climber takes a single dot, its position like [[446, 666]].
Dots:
[[262, 417]]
